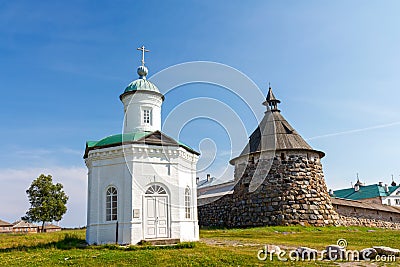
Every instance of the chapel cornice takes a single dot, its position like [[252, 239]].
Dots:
[[131, 150]]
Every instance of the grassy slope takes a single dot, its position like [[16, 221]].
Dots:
[[66, 247]]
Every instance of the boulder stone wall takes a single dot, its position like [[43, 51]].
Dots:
[[286, 189]]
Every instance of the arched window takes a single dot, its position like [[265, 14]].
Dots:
[[111, 204], [156, 189], [187, 203]]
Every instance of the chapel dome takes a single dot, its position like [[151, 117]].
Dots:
[[141, 85]]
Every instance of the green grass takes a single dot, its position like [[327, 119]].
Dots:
[[315, 237], [32, 240], [219, 247]]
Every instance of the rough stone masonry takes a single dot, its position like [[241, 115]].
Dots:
[[279, 181], [293, 192]]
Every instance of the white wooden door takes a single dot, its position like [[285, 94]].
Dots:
[[156, 223], [150, 223]]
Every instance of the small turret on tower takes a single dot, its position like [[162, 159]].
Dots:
[[271, 101]]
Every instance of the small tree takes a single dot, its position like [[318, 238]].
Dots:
[[48, 201]]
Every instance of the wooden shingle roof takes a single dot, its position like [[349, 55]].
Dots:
[[275, 133]]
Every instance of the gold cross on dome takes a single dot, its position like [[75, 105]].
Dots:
[[143, 51]]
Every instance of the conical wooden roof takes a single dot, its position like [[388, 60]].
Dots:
[[275, 133]]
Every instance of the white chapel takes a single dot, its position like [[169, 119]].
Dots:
[[141, 183]]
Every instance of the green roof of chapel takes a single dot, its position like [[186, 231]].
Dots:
[[157, 138], [141, 84], [117, 138]]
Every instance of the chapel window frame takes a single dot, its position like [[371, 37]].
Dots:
[[111, 204], [156, 189], [188, 203], [147, 116]]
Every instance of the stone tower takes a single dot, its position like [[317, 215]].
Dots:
[[279, 180]]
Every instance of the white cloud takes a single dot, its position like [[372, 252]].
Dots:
[[14, 201], [356, 130]]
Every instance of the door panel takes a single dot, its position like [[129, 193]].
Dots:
[[151, 217], [156, 220], [162, 217]]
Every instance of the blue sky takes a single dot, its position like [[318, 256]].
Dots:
[[334, 65]]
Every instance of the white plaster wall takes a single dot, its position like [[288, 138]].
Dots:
[[189, 231], [385, 200], [393, 197], [132, 169], [189, 228], [102, 174], [133, 110]]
